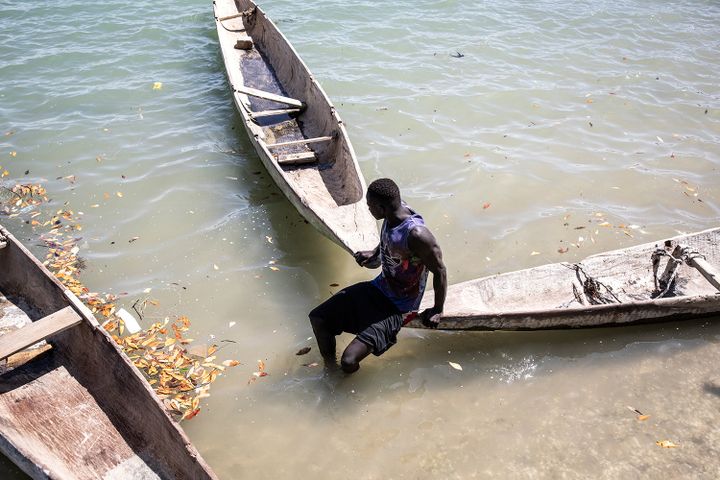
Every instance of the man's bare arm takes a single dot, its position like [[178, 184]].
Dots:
[[423, 244]]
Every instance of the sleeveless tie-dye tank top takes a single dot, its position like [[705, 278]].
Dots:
[[403, 275]]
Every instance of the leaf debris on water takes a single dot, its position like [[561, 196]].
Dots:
[[666, 444], [303, 351], [456, 366]]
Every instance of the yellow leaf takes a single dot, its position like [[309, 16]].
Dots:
[[534, 253], [642, 418], [274, 269], [13, 154], [231, 363], [157, 86], [119, 194], [666, 444]]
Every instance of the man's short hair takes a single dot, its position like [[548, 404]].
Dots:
[[386, 191]]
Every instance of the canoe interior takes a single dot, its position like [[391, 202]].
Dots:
[[75, 407], [273, 66], [328, 190], [553, 296]]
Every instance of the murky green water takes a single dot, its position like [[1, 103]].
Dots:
[[556, 109]]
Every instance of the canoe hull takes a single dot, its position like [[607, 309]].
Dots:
[[550, 296], [79, 409], [329, 193]]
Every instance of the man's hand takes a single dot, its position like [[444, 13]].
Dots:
[[368, 258], [430, 317]]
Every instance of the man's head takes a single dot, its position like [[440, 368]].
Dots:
[[383, 197]]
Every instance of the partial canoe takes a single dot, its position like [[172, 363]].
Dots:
[[293, 126], [607, 289], [73, 405]]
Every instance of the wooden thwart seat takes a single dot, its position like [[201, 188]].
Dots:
[[297, 158], [254, 92], [272, 113], [302, 141], [37, 331]]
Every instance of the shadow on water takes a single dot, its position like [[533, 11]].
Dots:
[[420, 360], [8, 470], [712, 387]]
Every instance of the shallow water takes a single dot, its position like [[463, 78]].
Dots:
[[557, 111]]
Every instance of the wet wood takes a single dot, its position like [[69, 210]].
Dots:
[[37, 331], [78, 408], [623, 283], [330, 191]]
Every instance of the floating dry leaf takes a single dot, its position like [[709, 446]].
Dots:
[[563, 249], [157, 86], [269, 239], [119, 194], [303, 351], [642, 418], [533, 253], [274, 269], [486, 206], [313, 364], [334, 284], [456, 366], [666, 444]]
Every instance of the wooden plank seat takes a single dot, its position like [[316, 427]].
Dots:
[[272, 113], [37, 331], [302, 141], [297, 158], [254, 92]]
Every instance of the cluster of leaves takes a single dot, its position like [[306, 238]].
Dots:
[[180, 379], [21, 196]]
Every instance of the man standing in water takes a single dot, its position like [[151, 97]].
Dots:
[[374, 311]]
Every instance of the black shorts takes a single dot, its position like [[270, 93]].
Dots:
[[362, 309]]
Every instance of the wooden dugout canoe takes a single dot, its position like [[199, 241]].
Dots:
[[566, 295], [293, 126], [76, 408]]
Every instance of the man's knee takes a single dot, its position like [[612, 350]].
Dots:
[[349, 363]]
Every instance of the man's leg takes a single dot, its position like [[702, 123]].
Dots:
[[325, 338], [353, 355]]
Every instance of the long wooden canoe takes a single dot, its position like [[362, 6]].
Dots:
[[607, 289], [73, 405], [293, 126]]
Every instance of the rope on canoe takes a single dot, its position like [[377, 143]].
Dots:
[[665, 284], [594, 291], [245, 13]]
